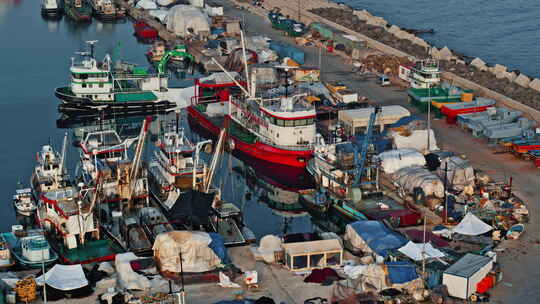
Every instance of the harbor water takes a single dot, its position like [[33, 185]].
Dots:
[[35, 59], [498, 31]]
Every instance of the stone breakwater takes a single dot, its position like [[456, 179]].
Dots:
[[497, 78]]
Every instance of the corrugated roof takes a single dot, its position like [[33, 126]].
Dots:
[[468, 265]]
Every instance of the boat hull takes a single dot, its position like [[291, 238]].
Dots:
[[257, 150], [74, 104]]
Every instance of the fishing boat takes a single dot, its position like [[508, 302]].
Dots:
[[24, 202], [72, 228], [274, 129], [30, 248], [104, 163], [156, 51], [98, 87], [106, 10], [79, 10], [51, 8], [144, 31], [153, 222], [175, 167], [50, 173]]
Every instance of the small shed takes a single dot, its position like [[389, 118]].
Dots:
[[310, 255], [462, 277], [356, 121]]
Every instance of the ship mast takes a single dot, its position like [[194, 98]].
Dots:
[[137, 159]]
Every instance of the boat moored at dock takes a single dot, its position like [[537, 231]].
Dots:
[[106, 10], [100, 86], [29, 247], [24, 201], [79, 10], [51, 8]]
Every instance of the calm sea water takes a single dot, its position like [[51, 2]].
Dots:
[[35, 58], [498, 31]]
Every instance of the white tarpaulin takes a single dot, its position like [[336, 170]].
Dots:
[[164, 2], [414, 251], [185, 19], [459, 173], [64, 277], [471, 225], [191, 245], [180, 96], [127, 278], [159, 14], [418, 177], [416, 140], [146, 4], [394, 160]]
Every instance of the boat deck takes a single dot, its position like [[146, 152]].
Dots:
[[93, 251]]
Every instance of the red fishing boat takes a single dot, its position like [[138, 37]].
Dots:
[[278, 130], [145, 31], [451, 111]]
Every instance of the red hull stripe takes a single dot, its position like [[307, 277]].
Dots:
[[258, 150]]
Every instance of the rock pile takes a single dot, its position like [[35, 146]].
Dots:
[[514, 85]]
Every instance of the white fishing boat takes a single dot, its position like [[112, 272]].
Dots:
[[30, 247], [50, 173], [24, 201], [175, 167], [50, 8]]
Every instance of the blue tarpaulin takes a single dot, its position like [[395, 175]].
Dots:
[[378, 237], [284, 50], [218, 246], [400, 272]]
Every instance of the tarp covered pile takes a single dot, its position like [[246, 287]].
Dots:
[[185, 19], [394, 160], [372, 237], [416, 139], [418, 177], [460, 173], [200, 251], [419, 251]]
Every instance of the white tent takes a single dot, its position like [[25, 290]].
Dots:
[[183, 19], [64, 277], [471, 225], [416, 140], [414, 251]]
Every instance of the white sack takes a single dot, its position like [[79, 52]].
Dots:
[[471, 225], [64, 277], [414, 251], [416, 140], [395, 160], [165, 2], [225, 281], [127, 277], [354, 272]]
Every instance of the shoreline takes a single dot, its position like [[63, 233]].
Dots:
[[509, 89]]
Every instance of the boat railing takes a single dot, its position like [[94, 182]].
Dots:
[[299, 147], [119, 76]]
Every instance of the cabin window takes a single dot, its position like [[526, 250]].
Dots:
[[289, 123], [83, 85], [89, 85], [101, 85]]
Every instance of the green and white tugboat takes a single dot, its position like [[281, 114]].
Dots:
[[108, 86]]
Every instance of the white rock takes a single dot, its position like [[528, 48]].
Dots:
[[499, 68], [394, 29], [434, 52], [479, 63], [363, 15], [377, 21], [522, 80], [446, 54], [421, 42], [535, 84], [511, 76]]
